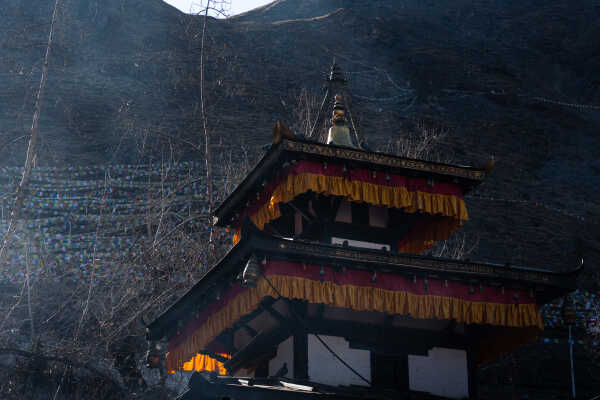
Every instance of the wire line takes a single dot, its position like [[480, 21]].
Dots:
[[297, 317]]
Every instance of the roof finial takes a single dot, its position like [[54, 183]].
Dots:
[[336, 76], [339, 133], [336, 84]]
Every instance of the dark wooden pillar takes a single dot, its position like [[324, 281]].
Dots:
[[300, 341], [300, 355], [473, 370]]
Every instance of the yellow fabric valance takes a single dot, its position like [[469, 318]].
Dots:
[[355, 297], [448, 210], [359, 191]]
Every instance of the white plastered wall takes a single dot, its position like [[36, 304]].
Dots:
[[443, 372], [285, 354], [324, 368]]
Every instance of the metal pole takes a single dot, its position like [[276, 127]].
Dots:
[[571, 358]]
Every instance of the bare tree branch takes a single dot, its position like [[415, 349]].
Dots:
[[207, 148], [32, 147]]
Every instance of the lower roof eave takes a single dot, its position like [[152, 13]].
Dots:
[[551, 284]]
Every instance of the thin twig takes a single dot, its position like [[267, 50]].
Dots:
[[12, 309]]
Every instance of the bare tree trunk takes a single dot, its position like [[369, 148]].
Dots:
[[32, 147], [207, 147], [29, 308]]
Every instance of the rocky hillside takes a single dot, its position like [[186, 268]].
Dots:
[[517, 80]]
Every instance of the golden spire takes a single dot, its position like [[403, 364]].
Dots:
[[339, 114], [339, 133]]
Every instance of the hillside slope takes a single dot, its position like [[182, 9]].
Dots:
[[494, 74], [517, 80]]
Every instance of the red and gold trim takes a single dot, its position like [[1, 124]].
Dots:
[[361, 185], [389, 293]]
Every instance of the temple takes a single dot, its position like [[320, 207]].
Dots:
[[326, 291]]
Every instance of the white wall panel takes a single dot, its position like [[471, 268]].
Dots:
[[285, 354], [442, 372], [324, 368]]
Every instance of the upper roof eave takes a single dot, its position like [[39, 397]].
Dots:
[[467, 176]]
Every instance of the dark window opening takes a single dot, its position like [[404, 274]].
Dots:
[[390, 372], [360, 214]]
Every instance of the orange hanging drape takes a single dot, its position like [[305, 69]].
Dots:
[[390, 293], [203, 362]]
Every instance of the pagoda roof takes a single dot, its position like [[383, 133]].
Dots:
[[287, 150], [549, 284]]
